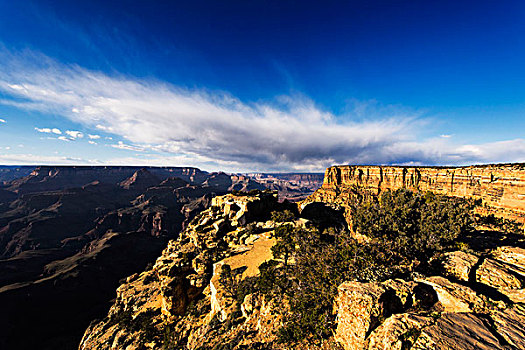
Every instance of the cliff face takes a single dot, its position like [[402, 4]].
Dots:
[[181, 303], [293, 187], [501, 188]]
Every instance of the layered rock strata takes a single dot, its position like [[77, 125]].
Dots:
[[501, 188]]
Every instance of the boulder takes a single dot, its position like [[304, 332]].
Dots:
[[404, 290], [458, 264], [453, 297], [359, 311]]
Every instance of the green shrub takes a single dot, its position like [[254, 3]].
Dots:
[[410, 226], [231, 279], [504, 225], [282, 216], [405, 230], [285, 245]]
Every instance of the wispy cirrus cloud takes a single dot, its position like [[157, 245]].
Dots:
[[122, 145], [290, 133], [31, 159]]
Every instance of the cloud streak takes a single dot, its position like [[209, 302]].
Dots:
[[290, 133]]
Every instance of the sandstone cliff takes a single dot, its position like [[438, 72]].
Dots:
[[470, 300], [501, 188]]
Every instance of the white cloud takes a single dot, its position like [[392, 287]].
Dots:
[[92, 142], [38, 159], [46, 130], [3, 120], [75, 134], [214, 128], [49, 130], [122, 145], [93, 137], [63, 138]]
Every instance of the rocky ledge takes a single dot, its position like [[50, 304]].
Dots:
[[476, 303], [500, 188], [181, 302]]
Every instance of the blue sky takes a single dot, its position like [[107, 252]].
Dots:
[[262, 85]]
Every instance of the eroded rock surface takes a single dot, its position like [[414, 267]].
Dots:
[[436, 312], [500, 187], [183, 297], [458, 264]]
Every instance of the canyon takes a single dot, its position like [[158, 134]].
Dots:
[[470, 298], [162, 238], [68, 235]]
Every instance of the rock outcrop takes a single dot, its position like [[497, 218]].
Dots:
[[181, 302], [473, 299], [501, 188], [69, 234], [474, 307]]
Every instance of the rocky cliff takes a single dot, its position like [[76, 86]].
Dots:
[[467, 298], [293, 187], [501, 188], [63, 251], [471, 299], [181, 302]]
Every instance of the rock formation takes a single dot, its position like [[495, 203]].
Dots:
[[501, 188], [472, 300], [293, 187], [181, 301], [480, 312], [69, 234], [65, 239]]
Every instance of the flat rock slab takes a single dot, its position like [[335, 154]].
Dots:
[[394, 333], [458, 331], [511, 255], [498, 275], [510, 323]]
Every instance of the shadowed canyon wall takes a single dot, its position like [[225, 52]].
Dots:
[[501, 187]]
